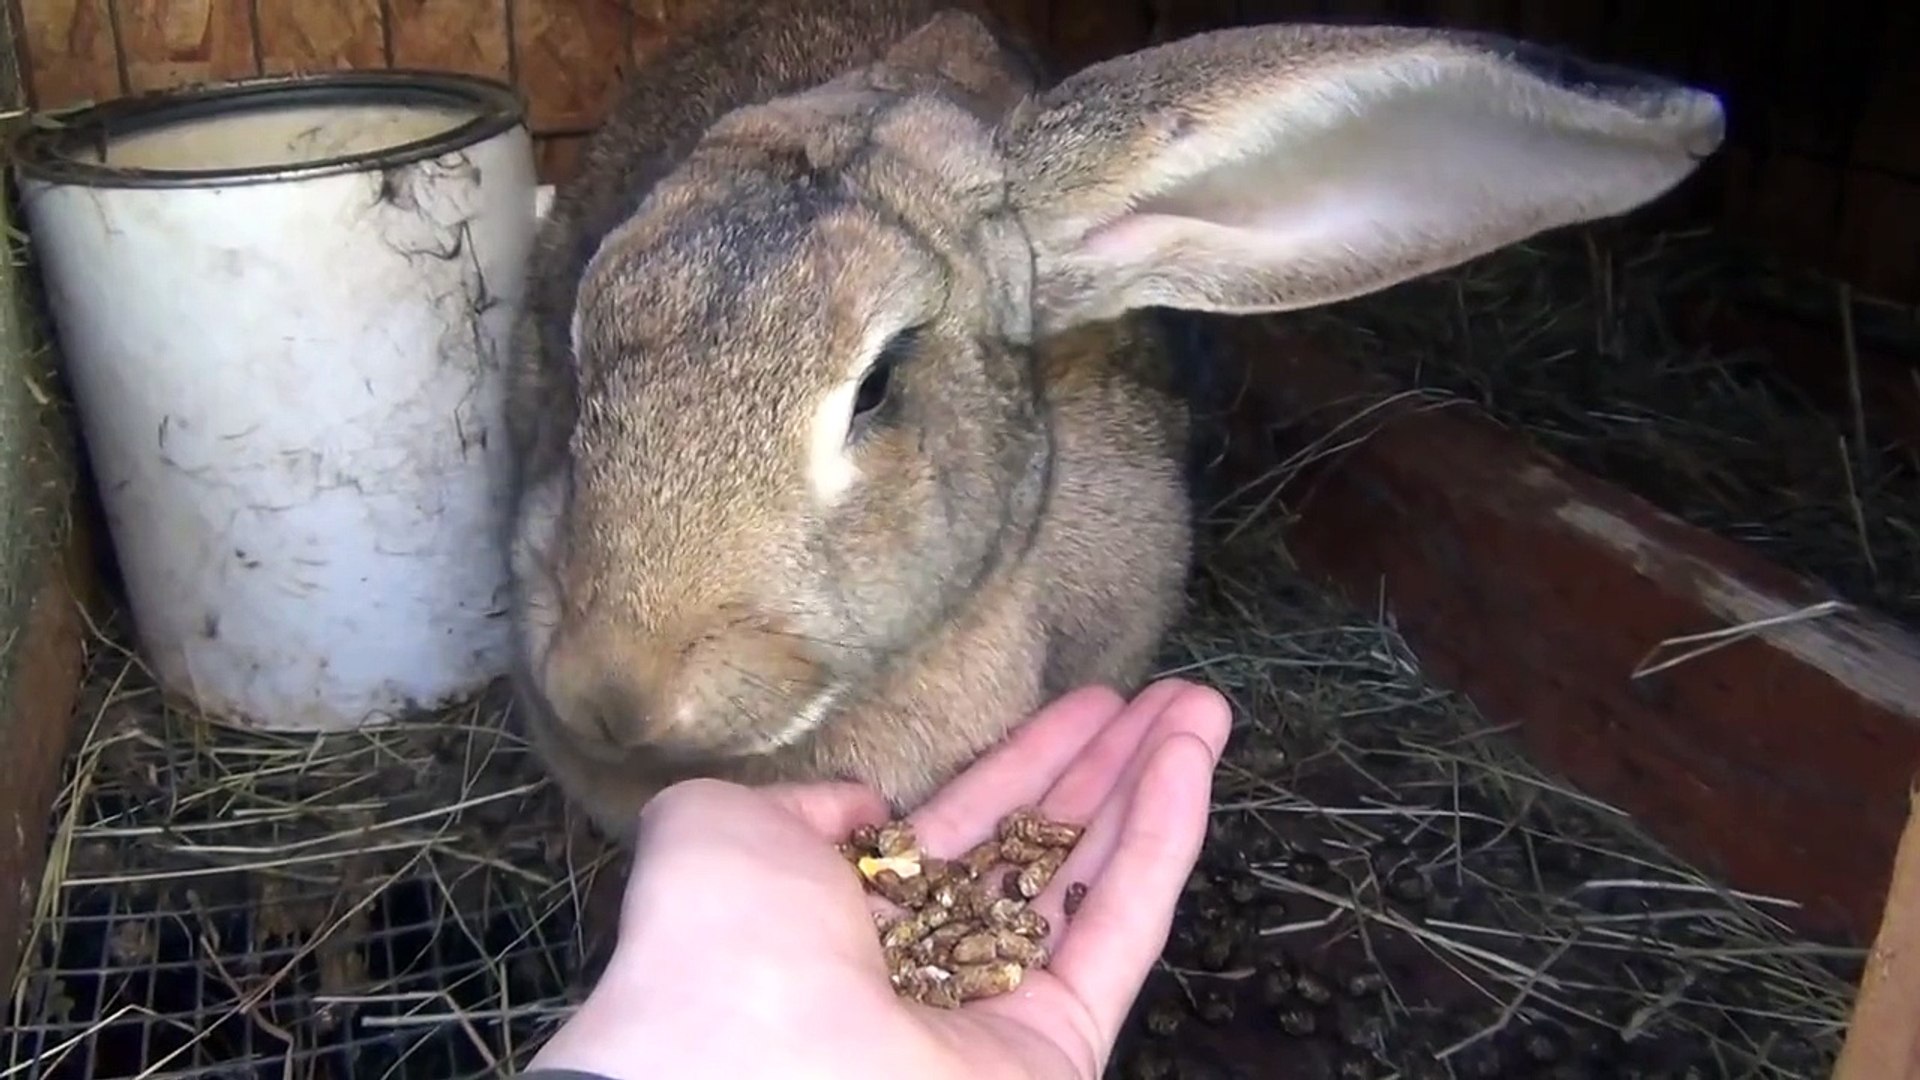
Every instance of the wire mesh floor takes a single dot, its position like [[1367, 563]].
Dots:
[[401, 902]]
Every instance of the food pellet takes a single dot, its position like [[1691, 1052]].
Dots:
[[1033, 878], [894, 839], [977, 948], [965, 930]]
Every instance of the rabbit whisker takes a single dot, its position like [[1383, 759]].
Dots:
[[812, 639]]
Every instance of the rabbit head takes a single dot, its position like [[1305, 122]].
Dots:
[[815, 395]]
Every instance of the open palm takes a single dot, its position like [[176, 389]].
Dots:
[[747, 948]]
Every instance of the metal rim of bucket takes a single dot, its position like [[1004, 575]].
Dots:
[[48, 155]]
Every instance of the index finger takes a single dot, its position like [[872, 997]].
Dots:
[[1121, 928], [1017, 771]]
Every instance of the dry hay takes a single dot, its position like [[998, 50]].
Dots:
[[406, 902], [1577, 339], [387, 903], [1390, 871]]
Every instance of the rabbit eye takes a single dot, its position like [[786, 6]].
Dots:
[[873, 386]]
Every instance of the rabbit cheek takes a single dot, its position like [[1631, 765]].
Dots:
[[535, 597]]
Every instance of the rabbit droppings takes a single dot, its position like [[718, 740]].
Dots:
[[845, 433]]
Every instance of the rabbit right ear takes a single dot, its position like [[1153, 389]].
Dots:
[[1271, 168]]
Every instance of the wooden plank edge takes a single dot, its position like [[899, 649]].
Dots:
[[38, 729], [1778, 763], [1883, 1034]]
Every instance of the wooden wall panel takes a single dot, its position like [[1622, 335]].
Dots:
[[1347, 11], [450, 35], [169, 42], [68, 52], [1884, 136], [1812, 83], [1814, 89], [301, 36], [1469, 14], [556, 157], [1662, 35], [1078, 34], [564, 65], [1024, 17], [1563, 23], [1793, 202], [1174, 19], [1878, 241]]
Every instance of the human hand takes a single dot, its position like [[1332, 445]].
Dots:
[[746, 946]]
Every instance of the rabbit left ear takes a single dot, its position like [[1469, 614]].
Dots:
[[1271, 168], [961, 53]]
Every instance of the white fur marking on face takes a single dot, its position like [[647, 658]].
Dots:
[[532, 545], [805, 720], [830, 470]]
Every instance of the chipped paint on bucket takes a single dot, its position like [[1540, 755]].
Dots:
[[283, 306]]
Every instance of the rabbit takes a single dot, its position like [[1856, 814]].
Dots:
[[846, 430]]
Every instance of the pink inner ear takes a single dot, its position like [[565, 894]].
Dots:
[[1349, 193], [1251, 235], [1133, 238], [1322, 214]]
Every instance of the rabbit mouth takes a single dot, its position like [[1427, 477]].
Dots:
[[770, 730]]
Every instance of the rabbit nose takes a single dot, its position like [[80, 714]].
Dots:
[[615, 699], [634, 707], [617, 714]]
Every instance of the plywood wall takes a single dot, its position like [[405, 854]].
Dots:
[[568, 55], [1823, 92]]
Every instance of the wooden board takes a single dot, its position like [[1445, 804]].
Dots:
[[67, 51], [1779, 763], [37, 728], [569, 58], [556, 157], [1883, 138], [1883, 1037], [1878, 245], [1027, 18], [1789, 204], [175, 42], [450, 35], [1174, 19], [1081, 32], [1801, 81], [301, 36]]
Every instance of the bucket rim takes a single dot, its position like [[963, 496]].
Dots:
[[48, 155]]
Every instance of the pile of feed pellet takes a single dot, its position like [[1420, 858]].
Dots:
[[965, 929]]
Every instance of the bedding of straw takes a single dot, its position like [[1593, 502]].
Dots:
[[406, 902], [1578, 339], [393, 902], [1390, 889]]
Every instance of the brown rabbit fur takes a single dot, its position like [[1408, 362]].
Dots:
[[845, 435]]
